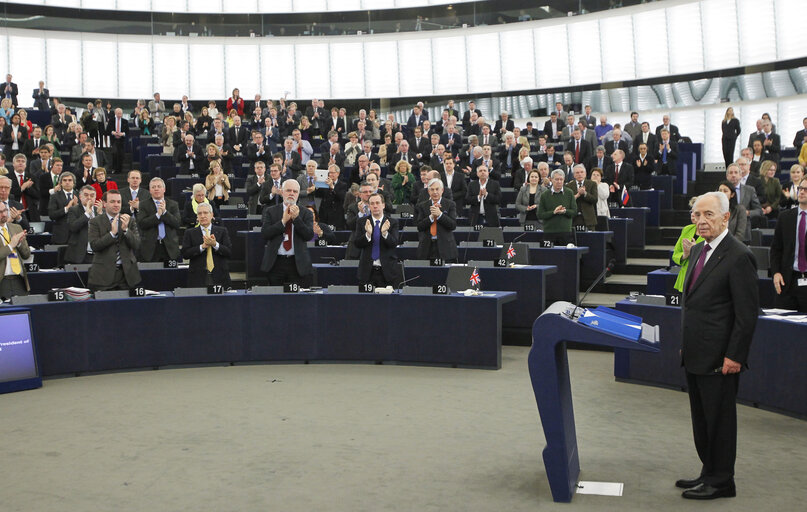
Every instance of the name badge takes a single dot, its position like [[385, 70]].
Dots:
[[802, 281]]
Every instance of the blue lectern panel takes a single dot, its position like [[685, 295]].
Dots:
[[18, 368]]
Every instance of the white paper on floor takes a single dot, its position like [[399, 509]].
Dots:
[[601, 488]]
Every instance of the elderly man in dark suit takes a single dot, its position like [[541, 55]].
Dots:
[[746, 196], [16, 212], [159, 221], [189, 155], [332, 199], [287, 228], [376, 236], [437, 220], [78, 219], [114, 241], [13, 250], [118, 131], [8, 89], [207, 248], [585, 193], [719, 312], [41, 97], [484, 196], [789, 255]]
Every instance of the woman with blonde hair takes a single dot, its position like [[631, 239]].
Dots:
[[6, 109], [773, 189], [352, 149], [731, 130], [790, 189], [217, 184], [212, 154], [167, 136], [403, 183]]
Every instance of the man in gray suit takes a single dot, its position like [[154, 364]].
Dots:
[[746, 196], [78, 219], [159, 220], [287, 228], [114, 241]]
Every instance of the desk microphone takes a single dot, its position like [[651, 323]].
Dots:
[[408, 281], [332, 261], [75, 269], [608, 268], [519, 237]]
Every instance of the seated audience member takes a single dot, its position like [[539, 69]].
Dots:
[[287, 228], [114, 240], [527, 200], [738, 218], [217, 184], [13, 250], [207, 249], [158, 221], [585, 195], [78, 219], [376, 237], [332, 199], [437, 220], [254, 183], [321, 231], [190, 217], [403, 183], [59, 204], [484, 196], [556, 209]]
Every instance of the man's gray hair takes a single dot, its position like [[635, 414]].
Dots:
[[157, 178], [205, 206], [558, 171], [721, 198], [526, 160], [433, 181], [579, 166]]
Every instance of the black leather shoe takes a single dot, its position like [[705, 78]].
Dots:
[[707, 492], [688, 484]]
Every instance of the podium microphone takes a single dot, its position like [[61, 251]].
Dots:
[[408, 281], [608, 268]]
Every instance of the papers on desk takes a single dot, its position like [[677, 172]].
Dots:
[[801, 319], [601, 488], [777, 311]]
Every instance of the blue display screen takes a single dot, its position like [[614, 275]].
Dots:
[[17, 353]]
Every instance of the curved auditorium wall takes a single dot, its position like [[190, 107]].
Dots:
[[648, 41]]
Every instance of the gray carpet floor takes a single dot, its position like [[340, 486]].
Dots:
[[344, 437]]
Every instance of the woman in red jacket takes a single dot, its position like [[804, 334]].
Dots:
[[101, 184], [236, 102]]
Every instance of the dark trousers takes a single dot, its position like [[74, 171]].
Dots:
[[12, 286], [728, 150], [377, 278], [560, 239], [792, 296], [434, 252], [712, 400], [118, 283], [160, 253], [117, 154], [285, 271]]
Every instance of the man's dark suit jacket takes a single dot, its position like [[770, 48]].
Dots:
[[456, 143], [77, 223], [585, 150], [105, 248], [124, 128], [652, 143], [783, 247], [610, 147], [181, 157], [719, 311], [446, 225], [59, 126], [397, 157], [31, 194], [458, 189], [423, 146], [8, 138], [45, 185], [587, 204], [497, 128], [491, 201], [126, 196], [197, 260], [273, 231], [14, 91], [59, 229], [672, 156], [242, 138], [325, 160], [253, 156], [148, 222], [594, 162], [626, 176], [331, 208], [253, 193], [548, 130], [755, 181], [389, 259], [674, 133], [466, 117]]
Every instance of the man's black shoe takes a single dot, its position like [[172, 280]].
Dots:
[[707, 492], [688, 484]]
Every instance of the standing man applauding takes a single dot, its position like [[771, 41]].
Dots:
[[114, 241], [287, 228], [13, 249]]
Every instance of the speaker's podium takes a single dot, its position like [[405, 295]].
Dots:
[[562, 322]]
